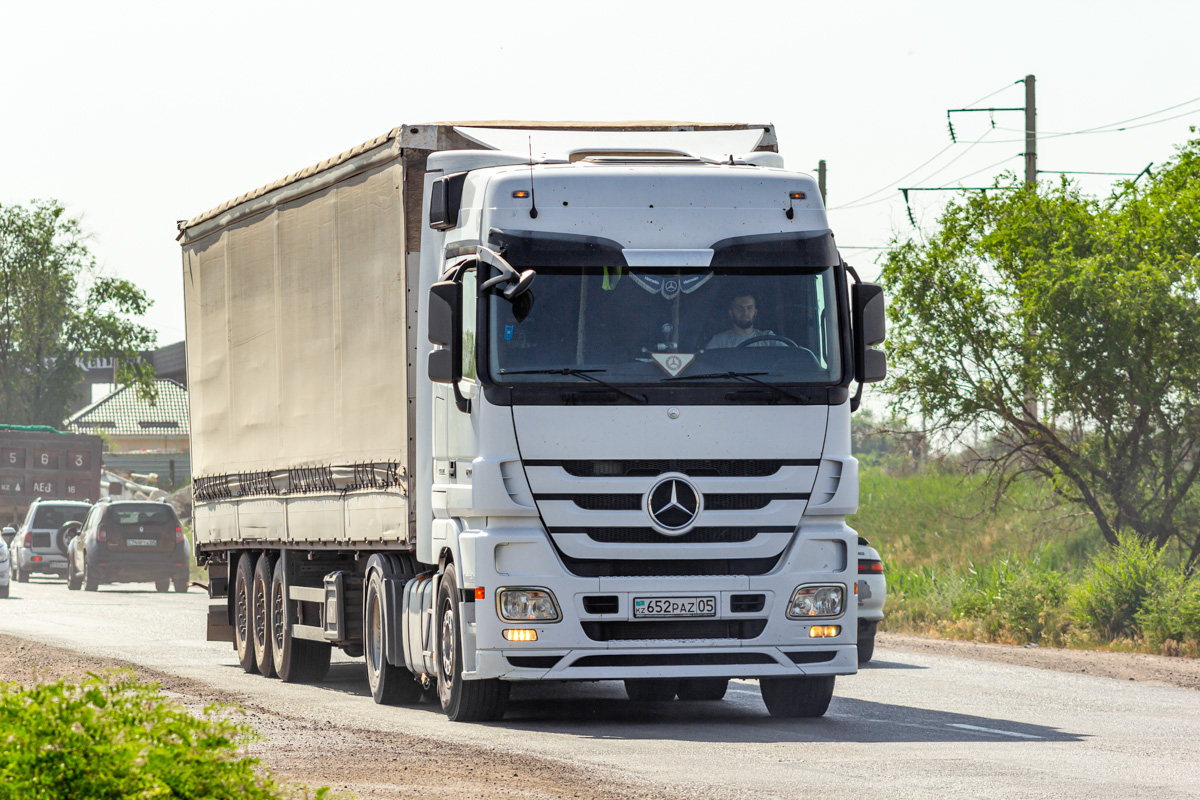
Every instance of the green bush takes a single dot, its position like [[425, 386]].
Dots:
[[1116, 586], [112, 737], [1173, 615], [1016, 600]]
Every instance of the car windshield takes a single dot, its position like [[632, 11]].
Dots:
[[142, 515], [55, 516], [645, 325]]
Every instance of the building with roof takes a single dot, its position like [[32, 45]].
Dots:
[[141, 437]]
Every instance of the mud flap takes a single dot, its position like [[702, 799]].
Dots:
[[219, 627]]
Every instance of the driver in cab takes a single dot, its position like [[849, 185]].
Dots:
[[743, 312]]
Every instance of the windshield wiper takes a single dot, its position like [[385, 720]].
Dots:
[[586, 374], [744, 377]]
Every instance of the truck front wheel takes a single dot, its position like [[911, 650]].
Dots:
[[242, 582], [390, 685], [797, 697], [462, 700]]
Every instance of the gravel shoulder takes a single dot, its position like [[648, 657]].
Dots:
[[1181, 672], [350, 760]]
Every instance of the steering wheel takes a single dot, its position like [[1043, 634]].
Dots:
[[770, 337]]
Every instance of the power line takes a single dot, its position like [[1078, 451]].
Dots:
[[1109, 127], [893, 183]]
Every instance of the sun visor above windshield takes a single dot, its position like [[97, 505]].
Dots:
[[806, 249], [537, 249]]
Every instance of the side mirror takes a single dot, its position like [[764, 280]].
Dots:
[[870, 328], [445, 329], [445, 201], [9, 533]]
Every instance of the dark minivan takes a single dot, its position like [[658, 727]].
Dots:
[[128, 541]]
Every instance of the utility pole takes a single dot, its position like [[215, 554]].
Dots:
[[1031, 401], [821, 179], [1030, 132]]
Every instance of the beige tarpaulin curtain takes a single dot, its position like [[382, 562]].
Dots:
[[296, 332]]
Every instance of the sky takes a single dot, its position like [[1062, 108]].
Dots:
[[137, 114]]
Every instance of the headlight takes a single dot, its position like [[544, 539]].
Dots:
[[817, 601], [521, 605]]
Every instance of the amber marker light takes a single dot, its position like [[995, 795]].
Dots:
[[520, 634], [824, 631], [520, 194], [478, 592]]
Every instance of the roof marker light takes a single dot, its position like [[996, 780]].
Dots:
[[520, 194]]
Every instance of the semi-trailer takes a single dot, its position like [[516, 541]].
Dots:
[[498, 402]]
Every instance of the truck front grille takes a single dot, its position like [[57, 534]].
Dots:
[[618, 631], [667, 568], [643, 467], [651, 536]]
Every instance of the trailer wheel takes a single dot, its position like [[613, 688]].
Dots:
[[651, 690], [242, 583], [703, 688], [390, 685], [462, 700], [797, 697], [295, 660], [261, 617]]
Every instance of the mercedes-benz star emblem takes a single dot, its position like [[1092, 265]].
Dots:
[[673, 505]]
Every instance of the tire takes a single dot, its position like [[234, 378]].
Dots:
[[797, 697], [90, 580], [23, 575], [260, 617], [181, 581], [243, 582], [4, 591], [162, 585], [651, 690], [462, 700], [295, 660], [390, 685], [703, 688], [74, 582], [866, 644]]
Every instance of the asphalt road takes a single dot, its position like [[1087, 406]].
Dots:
[[908, 726]]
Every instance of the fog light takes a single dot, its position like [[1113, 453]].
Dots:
[[824, 631], [817, 601], [516, 605], [520, 634]]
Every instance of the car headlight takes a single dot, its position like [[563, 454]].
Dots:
[[522, 605], [817, 601]]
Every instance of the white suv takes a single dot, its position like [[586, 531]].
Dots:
[[872, 593], [40, 545]]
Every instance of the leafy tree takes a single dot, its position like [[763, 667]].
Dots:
[[54, 308], [1067, 328]]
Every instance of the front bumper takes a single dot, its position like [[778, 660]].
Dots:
[[597, 646]]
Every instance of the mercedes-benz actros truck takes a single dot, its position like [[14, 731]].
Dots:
[[498, 402]]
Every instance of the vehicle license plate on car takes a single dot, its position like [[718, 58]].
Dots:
[[141, 542], [674, 606]]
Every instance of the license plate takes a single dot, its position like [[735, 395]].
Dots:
[[674, 606], [141, 542]]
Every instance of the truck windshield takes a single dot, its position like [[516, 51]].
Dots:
[[644, 325]]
